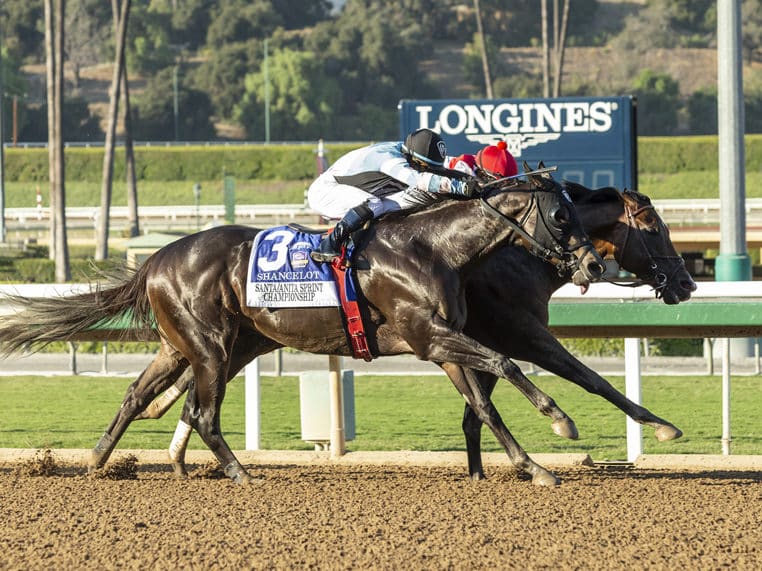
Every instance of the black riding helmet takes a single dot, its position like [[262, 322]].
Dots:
[[425, 146]]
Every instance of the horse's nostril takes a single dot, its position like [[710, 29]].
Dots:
[[595, 269]]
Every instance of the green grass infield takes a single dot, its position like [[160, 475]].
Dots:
[[391, 413]]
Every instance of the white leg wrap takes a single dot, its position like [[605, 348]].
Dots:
[[161, 404], [179, 440]]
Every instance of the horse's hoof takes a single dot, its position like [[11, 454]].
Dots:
[[667, 432], [245, 478], [546, 479], [478, 476], [239, 475], [180, 471], [565, 428], [94, 464]]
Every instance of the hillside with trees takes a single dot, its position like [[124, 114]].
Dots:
[[202, 70]]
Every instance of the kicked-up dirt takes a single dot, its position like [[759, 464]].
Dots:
[[377, 517]]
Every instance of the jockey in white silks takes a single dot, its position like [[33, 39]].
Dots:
[[383, 177]]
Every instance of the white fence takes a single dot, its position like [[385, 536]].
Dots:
[[674, 211]]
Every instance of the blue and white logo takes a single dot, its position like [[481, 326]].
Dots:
[[592, 140]]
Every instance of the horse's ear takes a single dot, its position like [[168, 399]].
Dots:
[[541, 165], [533, 179], [638, 197]]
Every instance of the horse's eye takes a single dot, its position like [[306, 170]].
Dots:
[[651, 226], [560, 215]]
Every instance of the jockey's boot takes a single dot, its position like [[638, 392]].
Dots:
[[330, 247]]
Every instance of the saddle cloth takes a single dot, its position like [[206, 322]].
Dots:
[[282, 273]]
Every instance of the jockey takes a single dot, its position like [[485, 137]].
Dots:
[[383, 177], [490, 163], [495, 161]]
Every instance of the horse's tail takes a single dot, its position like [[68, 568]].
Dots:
[[40, 321]]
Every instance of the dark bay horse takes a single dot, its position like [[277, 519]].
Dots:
[[411, 270], [624, 226], [514, 288]]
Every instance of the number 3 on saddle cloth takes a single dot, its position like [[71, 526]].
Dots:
[[282, 274]]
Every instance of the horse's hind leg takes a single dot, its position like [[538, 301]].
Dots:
[[164, 402], [160, 373], [245, 349]]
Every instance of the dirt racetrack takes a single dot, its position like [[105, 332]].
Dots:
[[377, 517]]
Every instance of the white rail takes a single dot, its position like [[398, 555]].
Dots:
[[674, 211]]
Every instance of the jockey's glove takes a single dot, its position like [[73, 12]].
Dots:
[[467, 186], [472, 186]]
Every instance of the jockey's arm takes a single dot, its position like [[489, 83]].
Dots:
[[425, 181]]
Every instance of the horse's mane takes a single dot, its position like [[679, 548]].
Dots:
[[446, 201], [401, 214], [582, 194]]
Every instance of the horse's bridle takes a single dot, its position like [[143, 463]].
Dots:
[[659, 278], [562, 257]]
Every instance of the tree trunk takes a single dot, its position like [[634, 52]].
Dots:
[[485, 60], [132, 187], [63, 271], [101, 248], [560, 47], [545, 51], [133, 223], [51, 96]]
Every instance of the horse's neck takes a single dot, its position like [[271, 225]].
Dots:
[[459, 233], [603, 222]]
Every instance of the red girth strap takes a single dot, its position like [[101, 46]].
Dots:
[[351, 311]]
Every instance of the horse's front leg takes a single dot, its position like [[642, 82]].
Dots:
[[562, 424], [158, 375], [472, 426], [485, 410], [549, 354], [179, 444], [442, 344]]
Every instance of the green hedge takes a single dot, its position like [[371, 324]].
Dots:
[[676, 154], [43, 270], [246, 162], [598, 347], [297, 162]]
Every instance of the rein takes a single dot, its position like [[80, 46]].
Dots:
[[562, 258], [660, 278]]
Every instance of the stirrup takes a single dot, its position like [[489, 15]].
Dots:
[[324, 257], [325, 252]]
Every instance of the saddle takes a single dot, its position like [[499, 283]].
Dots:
[[346, 254], [341, 268]]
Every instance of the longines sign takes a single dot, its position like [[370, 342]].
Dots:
[[592, 140]]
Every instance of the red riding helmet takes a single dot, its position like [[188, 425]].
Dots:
[[462, 161], [496, 161]]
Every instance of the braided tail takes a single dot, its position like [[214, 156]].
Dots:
[[40, 321]]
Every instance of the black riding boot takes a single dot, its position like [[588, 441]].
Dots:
[[330, 247]]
